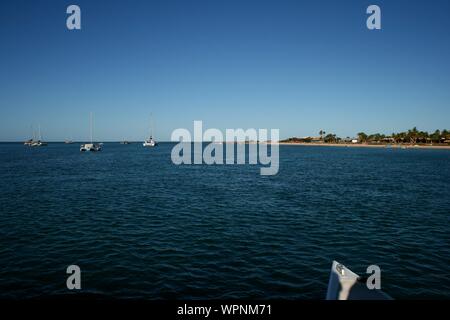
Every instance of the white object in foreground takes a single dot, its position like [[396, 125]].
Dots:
[[344, 284]]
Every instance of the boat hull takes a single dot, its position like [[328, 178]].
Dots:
[[150, 143], [90, 147], [38, 144]]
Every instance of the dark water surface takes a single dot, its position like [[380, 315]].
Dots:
[[141, 227]]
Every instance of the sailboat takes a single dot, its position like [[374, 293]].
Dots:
[[39, 142], [91, 146], [29, 142], [68, 141], [150, 142]]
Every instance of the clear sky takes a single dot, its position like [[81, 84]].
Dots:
[[299, 66]]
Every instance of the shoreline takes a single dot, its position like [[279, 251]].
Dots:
[[358, 145]]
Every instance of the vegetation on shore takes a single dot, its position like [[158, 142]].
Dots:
[[412, 136]]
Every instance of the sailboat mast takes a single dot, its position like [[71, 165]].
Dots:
[[151, 126], [91, 125], [40, 138]]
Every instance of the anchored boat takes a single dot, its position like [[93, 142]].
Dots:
[[29, 142], [150, 142], [344, 284], [36, 143], [90, 146]]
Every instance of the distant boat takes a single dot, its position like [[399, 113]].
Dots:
[[150, 142], [91, 146], [344, 284], [69, 141], [30, 141], [39, 142], [124, 142]]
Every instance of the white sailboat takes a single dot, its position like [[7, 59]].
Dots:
[[30, 141], [150, 142], [68, 141], [38, 142], [91, 146]]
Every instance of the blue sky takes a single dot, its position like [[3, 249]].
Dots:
[[299, 66]]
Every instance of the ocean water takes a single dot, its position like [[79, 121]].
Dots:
[[140, 227]]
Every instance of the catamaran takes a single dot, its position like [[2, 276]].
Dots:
[[91, 146], [150, 142]]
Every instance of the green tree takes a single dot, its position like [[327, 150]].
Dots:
[[436, 136], [445, 134], [412, 135], [322, 133], [330, 138], [362, 137]]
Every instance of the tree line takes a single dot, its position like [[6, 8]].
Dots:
[[411, 136]]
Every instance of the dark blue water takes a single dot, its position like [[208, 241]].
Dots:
[[140, 227]]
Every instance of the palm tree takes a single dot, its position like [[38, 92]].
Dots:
[[436, 136], [445, 135], [413, 135], [321, 133], [423, 136], [330, 138], [362, 137]]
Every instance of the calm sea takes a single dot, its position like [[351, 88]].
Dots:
[[140, 227]]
